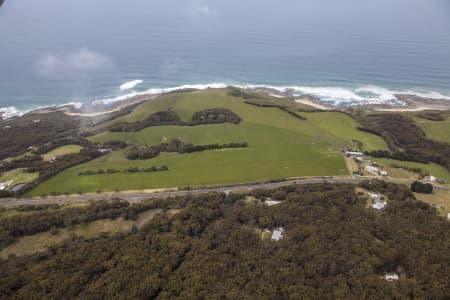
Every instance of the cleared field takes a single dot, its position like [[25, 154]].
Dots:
[[34, 243], [68, 149], [18, 176], [439, 199], [280, 145], [344, 127], [42, 241], [439, 131], [433, 169]]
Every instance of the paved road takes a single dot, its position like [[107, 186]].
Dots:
[[136, 197]]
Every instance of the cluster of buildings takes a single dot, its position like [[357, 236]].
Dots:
[[375, 171], [369, 168]]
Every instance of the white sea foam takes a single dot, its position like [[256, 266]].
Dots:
[[369, 94], [76, 105], [337, 96], [157, 91], [9, 112], [425, 94], [130, 84]]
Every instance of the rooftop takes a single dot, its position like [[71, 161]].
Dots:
[[277, 234]]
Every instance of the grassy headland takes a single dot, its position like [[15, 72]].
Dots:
[[280, 145]]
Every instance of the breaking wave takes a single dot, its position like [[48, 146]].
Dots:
[[9, 112], [156, 91], [130, 84]]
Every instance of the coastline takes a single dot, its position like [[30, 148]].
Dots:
[[395, 102]]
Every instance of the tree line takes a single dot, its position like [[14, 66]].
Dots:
[[161, 118], [175, 145], [128, 170]]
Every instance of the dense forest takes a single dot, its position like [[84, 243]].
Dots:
[[334, 247]]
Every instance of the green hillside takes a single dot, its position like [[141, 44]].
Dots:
[[280, 145]]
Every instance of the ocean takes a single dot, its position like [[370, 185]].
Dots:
[[348, 51]]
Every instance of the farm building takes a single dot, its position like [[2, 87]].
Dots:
[[372, 170]]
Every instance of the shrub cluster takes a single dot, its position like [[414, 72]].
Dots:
[[114, 145], [157, 119], [405, 139], [175, 145], [35, 129], [398, 155], [44, 218], [205, 117], [422, 188], [432, 116]]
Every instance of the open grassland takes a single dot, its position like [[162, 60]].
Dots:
[[433, 169], [436, 130], [68, 149], [400, 173], [18, 176], [280, 145], [344, 127]]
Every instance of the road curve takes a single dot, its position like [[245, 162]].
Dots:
[[136, 197]]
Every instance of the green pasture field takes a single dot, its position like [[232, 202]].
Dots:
[[280, 146], [68, 149], [436, 130]]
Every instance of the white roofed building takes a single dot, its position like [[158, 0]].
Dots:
[[277, 234], [430, 178], [391, 277], [353, 153], [374, 197], [379, 205], [372, 170]]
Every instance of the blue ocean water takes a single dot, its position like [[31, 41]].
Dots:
[[58, 51]]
